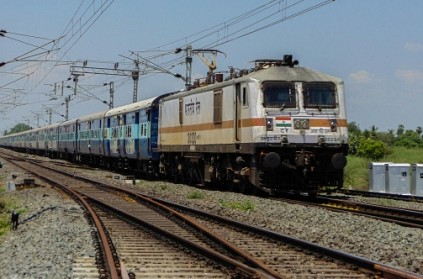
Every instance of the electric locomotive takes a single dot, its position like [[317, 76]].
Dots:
[[276, 128]]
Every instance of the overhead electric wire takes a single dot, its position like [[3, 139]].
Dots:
[[80, 29], [74, 31], [249, 22], [217, 25], [218, 43]]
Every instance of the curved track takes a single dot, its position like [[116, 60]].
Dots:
[[240, 250]]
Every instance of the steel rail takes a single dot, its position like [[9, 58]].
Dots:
[[216, 256], [379, 268], [410, 198]]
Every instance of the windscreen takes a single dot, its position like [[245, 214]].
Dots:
[[319, 95], [279, 94]]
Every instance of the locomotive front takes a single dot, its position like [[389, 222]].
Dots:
[[304, 143]]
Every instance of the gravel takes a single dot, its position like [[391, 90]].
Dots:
[[44, 247]]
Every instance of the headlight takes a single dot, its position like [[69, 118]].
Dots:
[[333, 125], [269, 124]]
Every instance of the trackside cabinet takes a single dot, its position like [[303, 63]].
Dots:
[[398, 179], [378, 177], [417, 179]]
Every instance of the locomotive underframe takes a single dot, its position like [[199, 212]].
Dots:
[[306, 169], [297, 169]]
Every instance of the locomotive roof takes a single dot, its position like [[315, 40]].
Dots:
[[271, 73], [285, 73]]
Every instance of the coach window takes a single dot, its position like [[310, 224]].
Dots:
[[217, 106], [181, 111], [319, 95], [279, 94], [244, 97], [130, 131]]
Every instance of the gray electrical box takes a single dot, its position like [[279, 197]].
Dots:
[[378, 177], [398, 179], [417, 179]]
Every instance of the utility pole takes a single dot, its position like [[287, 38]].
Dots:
[[211, 65], [49, 111], [188, 63], [135, 78], [112, 92], [75, 80], [67, 100], [135, 73]]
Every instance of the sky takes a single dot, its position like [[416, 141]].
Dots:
[[375, 46]]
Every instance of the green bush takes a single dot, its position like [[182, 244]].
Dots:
[[371, 149]]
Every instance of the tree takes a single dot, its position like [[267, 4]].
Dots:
[[400, 130], [387, 137], [373, 131], [353, 128], [419, 130], [409, 139], [21, 127]]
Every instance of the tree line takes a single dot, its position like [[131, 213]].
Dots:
[[21, 127], [374, 144]]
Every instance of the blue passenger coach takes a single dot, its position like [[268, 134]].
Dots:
[[90, 138], [67, 140], [131, 133]]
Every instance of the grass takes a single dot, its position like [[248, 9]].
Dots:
[[245, 205], [195, 195], [357, 169], [356, 173], [6, 206], [404, 155]]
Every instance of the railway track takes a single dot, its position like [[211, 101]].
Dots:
[[401, 216], [141, 216], [411, 198], [247, 253]]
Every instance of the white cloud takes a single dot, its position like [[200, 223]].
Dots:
[[410, 75], [360, 76], [413, 47]]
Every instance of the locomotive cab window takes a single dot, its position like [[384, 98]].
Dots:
[[279, 94], [319, 95], [217, 106], [244, 97]]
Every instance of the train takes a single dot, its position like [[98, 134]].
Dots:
[[274, 128]]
